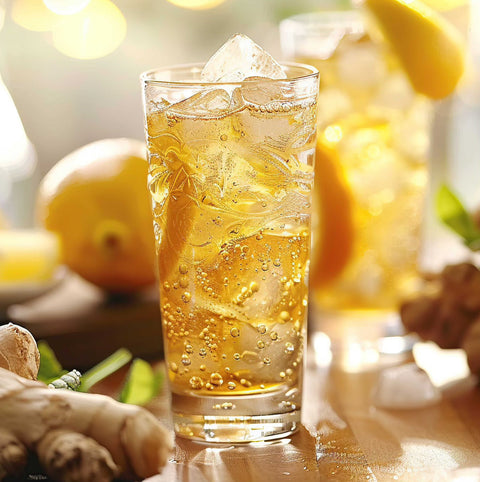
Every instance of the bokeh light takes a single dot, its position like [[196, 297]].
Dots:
[[197, 4], [33, 15], [94, 32], [66, 7]]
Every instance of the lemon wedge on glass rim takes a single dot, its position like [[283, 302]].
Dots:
[[430, 49]]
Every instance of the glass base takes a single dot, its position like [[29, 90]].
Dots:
[[359, 340], [237, 419]]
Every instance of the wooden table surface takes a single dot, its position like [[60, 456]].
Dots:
[[343, 436]]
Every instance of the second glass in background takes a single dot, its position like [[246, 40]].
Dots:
[[371, 179]]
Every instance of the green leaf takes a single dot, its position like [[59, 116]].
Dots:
[[105, 368], [142, 383], [50, 368], [453, 214]]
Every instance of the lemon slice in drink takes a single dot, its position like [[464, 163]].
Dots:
[[181, 213], [428, 46], [334, 237]]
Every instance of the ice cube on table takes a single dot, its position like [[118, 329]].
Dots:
[[238, 59], [405, 387]]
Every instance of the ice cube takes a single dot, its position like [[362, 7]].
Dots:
[[209, 104], [266, 349], [381, 174], [156, 103], [395, 94], [265, 94], [405, 387], [333, 103], [238, 59], [411, 132], [361, 66]]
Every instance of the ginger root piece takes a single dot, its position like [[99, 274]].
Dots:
[[18, 351], [71, 456], [418, 314], [471, 345], [13, 455], [451, 316], [70, 431], [461, 286]]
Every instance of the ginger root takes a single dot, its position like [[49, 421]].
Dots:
[[77, 436], [72, 456], [451, 316], [18, 351], [471, 345]]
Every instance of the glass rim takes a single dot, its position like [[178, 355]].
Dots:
[[326, 20], [145, 77]]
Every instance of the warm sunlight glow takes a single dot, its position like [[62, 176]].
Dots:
[[66, 7], [443, 366], [197, 4], [357, 357], [94, 32], [445, 5], [33, 15], [322, 349]]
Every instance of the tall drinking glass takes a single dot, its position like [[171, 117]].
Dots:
[[231, 177], [371, 176]]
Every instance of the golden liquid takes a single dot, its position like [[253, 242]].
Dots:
[[380, 129], [231, 203]]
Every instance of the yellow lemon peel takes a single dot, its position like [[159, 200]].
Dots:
[[430, 48], [97, 200]]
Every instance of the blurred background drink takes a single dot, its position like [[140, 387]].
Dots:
[[231, 178], [371, 180]]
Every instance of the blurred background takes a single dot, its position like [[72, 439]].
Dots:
[[70, 75], [70, 68]]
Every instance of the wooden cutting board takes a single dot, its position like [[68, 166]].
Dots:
[[84, 325]]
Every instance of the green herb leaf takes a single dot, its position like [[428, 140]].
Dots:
[[453, 214], [105, 368], [50, 368], [142, 383]]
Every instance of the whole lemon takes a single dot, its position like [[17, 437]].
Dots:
[[96, 199]]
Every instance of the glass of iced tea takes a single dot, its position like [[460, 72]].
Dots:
[[231, 178], [371, 179]]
